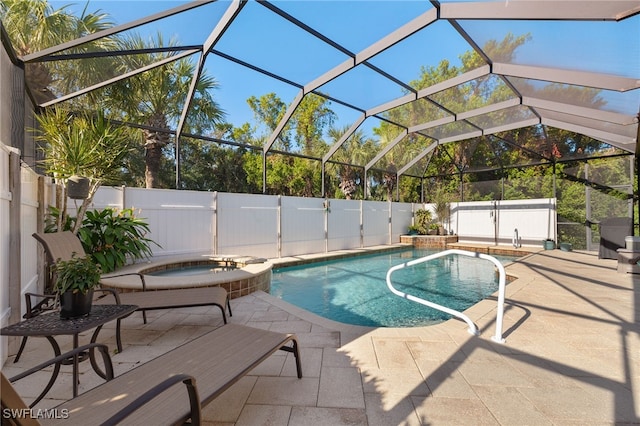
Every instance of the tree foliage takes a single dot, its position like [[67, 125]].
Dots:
[[156, 97], [86, 144], [34, 25]]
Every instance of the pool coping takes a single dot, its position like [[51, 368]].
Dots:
[[254, 274], [304, 259]]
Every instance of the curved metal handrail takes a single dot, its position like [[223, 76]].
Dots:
[[473, 329]]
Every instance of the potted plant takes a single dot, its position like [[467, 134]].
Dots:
[[423, 218], [81, 151], [565, 246], [442, 211], [75, 280], [548, 244], [413, 230]]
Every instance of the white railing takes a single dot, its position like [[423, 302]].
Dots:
[[473, 329]]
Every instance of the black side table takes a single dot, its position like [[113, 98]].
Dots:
[[50, 325]]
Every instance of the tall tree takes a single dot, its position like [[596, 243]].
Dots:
[[156, 98], [289, 175], [34, 25], [356, 151]]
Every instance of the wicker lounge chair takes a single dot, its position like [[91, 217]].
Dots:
[[208, 366], [62, 245]]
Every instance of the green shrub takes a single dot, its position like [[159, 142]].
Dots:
[[110, 237], [113, 238], [422, 221], [413, 229]]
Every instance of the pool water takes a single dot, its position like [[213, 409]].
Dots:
[[354, 290]]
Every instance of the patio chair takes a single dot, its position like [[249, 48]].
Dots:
[[147, 395], [613, 231], [63, 245]]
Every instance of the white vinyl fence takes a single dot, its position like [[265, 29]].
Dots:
[[498, 222], [270, 226], [18, 250], [5, 199]]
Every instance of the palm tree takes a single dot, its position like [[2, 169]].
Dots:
[[390, 179], [355, 151], [156, 97], [34, 25]]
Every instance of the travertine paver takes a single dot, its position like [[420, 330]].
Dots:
[[572, 356], [341, 387]]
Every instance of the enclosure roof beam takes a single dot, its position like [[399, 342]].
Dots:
[[395, 37], [117, 53], [114, 30], [431, 124], [468, 114], [570, 77], [403, 100], [223, 24], [417, 158], [611, 10], [625, 143], [285, 119], [435, 88], [460, 137], [343, 138], [398, 35], [591, 113], [119, 78], [512, 126], [455, 81], [386, 149], [488, 109]]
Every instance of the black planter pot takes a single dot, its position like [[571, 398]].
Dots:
[[78, 187], [74, 305]]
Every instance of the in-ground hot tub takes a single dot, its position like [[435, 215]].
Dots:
[[239, 275]]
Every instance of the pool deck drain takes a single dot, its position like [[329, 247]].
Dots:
[[571, 356]]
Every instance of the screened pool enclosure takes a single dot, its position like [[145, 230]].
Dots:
[[400, 100]]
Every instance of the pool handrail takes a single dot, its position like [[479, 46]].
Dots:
[[473, 329]]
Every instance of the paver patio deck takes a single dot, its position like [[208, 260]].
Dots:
[[571, 357]]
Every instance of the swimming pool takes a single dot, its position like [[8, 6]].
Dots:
[[354, 290]]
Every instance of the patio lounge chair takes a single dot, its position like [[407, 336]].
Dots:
[[146, 394], [62, 245]]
